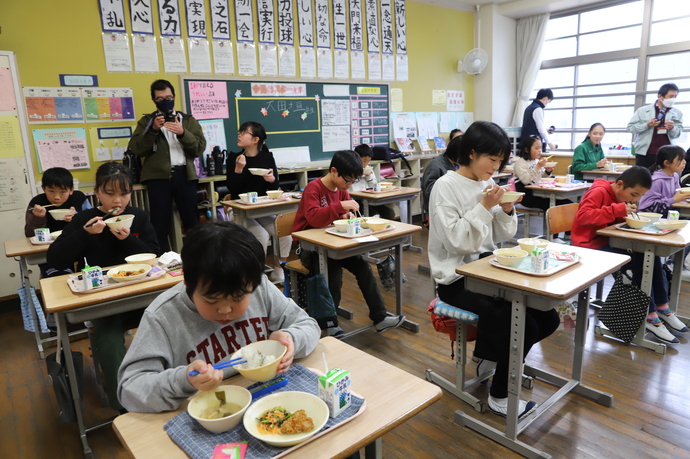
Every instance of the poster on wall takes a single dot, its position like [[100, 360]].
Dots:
[[61, 148], [455, 101], [53, 105], [7, 102], [208, 99], [10, 137], [12, 177], [143, 40], [108, 104]]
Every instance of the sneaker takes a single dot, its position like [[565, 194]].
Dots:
[[389, 322], [673, 321], [485, 366], [277, 276], [334, 331], [661, 333], [499, 406]]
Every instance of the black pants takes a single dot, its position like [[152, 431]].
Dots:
[[493, 329], [645, 161], [162, 193]]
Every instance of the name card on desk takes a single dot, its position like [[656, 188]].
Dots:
[[367, 239]]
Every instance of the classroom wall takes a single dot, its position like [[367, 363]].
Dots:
[[52, 37]]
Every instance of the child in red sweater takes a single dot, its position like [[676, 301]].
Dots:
[[606, 203], [324, 201]]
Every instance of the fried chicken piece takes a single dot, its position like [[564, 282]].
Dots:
[[297, 423]]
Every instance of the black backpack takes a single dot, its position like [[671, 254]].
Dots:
[[133, 163], [388, 154]]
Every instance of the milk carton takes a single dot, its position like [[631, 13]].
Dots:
[[334, 389], [42, 234], [353, 227], [539, 259], [253, 197], [93, 277]]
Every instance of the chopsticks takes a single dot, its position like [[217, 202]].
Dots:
[[221, 365], [634, 214], [49, 205], [106, 216]]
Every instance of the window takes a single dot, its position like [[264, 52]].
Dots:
[[591, 60]]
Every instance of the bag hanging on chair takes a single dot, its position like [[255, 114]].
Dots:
[[386, 269], [320, 305], [57, 371], [625, 309]]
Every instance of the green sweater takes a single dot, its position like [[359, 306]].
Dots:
[[585, 158], [152, 146]]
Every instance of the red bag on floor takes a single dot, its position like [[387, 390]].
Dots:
[[447, 325]]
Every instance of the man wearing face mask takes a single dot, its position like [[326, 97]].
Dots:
[[656, 125], [168, 141]]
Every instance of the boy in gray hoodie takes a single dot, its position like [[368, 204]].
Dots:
[[224, 303]]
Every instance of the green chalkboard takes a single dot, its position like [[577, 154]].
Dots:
[[322, 116]]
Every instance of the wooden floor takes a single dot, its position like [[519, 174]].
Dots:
[[649, 417]]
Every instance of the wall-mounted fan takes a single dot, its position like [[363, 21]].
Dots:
[[475, 61]]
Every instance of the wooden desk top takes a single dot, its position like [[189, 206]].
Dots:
[[679, 238], [58, 297], [402, 191], [319, 236], [500, 175], [559, 189], [681, 205], [392, 396], [248, 207], [603, 172], [594, 265], [19, 247]]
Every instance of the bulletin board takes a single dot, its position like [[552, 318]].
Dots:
[[325, 117]]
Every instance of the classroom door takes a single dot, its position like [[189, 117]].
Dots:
[[16, 173]]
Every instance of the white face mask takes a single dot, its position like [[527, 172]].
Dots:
[[668, 103]]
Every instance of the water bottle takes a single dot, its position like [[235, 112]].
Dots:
[[210, 166]]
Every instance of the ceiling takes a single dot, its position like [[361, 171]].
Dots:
[[515, 8]]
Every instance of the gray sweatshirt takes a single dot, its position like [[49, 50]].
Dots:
[[172, 334]]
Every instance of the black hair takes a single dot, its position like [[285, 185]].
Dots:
[[544, 93], [57, 177], [590, 130], [222, 259], [482, 138], [347, 163], [636, 176], [364, 151], [114, 173], [161, 85], [452, 134], [257, 131], [667, 153], [665, 88], [526, 147]]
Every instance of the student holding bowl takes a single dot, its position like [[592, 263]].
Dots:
[[588, 155], [255, 155], [529, 168]]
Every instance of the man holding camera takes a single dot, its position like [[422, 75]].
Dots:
[[656, 125], [168, 141]]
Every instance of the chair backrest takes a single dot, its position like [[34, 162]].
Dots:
[[560, 218], [283, 226]]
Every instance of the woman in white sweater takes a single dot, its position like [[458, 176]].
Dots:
[[467, 218], [528, 169]]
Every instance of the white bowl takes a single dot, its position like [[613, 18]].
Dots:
[[258, 171], [269, 369], [292, 401], [528, 244], [550, 164], [637, 223], [378, 224], [385, 185], [684, 189], [274, 194], [510, 257], [367, 170], [236, 395], [671, 224], [54, 235], [548, 179], [511, 196], [653, 217], [59, 214], [341, 225], [132, 268], [142, 258], [118, 222]]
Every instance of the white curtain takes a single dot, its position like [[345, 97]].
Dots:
[[530, 38]]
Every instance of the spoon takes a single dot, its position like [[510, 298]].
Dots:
[[108, 214]]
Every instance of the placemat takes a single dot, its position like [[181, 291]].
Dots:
[[198, 442]]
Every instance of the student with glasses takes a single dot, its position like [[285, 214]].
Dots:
[[168, 142], [255, 154]]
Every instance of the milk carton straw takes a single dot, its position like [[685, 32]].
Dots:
[[334, 389]]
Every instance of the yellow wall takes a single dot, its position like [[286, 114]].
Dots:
[[51, 37]]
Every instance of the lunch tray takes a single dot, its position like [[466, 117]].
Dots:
[[387, 190], [362, 233], [77, 285], [264, 200], [199, 443], [34, 241], [526, 266], [647, 229]]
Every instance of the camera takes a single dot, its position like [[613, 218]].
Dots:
[[169, 117]]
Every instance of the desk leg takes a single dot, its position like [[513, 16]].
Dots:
[[71, 374], [674, 294], [407, 324], [374, 450], [366, 207], [552, 200], [323, 269], [414, 248], [26, 285]]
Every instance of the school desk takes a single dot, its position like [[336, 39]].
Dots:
[[337, 248], [79, 307], [683, 208], [399, 196], [651, 245], [271, 208], [393, 396], [573, 193], [600, 174], [543, 293], [29, 254]]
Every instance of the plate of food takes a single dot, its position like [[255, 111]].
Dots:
[[128, 272], [286, 418]]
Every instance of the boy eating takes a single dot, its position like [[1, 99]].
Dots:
[[224, 303], [324, 201], [607, 203]]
